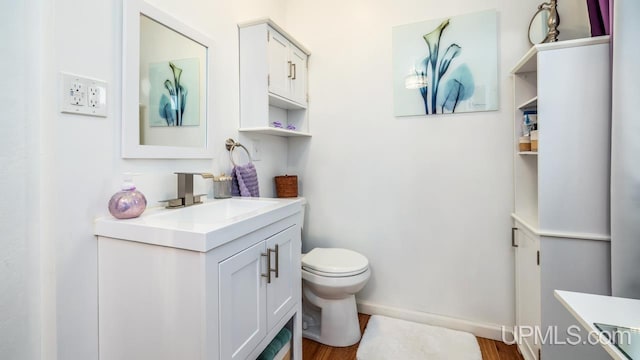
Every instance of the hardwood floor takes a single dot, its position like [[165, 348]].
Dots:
[[311, 350], [497, 350]]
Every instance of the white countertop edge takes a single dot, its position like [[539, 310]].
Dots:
[[205, 238], [590, 308]]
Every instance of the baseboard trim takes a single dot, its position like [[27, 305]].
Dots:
[[526, 351], [485, 330]]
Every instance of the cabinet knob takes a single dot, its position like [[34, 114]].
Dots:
[[513, 237], [289, 62], [294, 71]]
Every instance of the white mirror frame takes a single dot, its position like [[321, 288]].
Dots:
[[131, 147]]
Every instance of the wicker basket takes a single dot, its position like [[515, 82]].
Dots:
[[287, 186]]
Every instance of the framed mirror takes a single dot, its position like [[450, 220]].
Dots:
[[166, 86], [538, 27], [544, 24]]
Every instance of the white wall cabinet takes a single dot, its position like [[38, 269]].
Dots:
[[166, 303], [561, 209], [287, 69], [273, 80]]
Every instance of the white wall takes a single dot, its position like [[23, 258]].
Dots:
[[82, 159], [20, 220], [625, 148], [426, 199]]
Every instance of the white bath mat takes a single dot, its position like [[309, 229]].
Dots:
[[386, 338]]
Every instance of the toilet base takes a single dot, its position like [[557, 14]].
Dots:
[[331, 322]]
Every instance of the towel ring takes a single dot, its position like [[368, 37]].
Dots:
[[231, 145]]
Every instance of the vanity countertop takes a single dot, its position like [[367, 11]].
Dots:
[[590, 309], [201, 227]]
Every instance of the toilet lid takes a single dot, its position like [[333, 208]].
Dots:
[[334, 261]]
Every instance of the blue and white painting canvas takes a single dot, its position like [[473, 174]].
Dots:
[[174, 97], [446, 66]]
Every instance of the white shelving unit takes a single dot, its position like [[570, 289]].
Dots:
[[561, 200], [273, 80]]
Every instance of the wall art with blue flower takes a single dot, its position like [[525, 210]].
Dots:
[[446, 66], [174, 97]]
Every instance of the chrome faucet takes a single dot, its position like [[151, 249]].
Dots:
[[185, 191]]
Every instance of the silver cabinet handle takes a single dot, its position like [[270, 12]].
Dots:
[[268, 274], [276, 270], [294, 71], [277, 260], [289, 62], [513, 237]]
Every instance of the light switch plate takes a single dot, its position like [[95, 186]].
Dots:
[[82, 95], [256, 150]]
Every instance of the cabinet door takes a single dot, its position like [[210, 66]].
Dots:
[[299, 75], [527, 291], [279, 66], [242, 297], [284, 290]]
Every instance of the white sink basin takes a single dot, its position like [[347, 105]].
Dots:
[[199, 227], [214, 212]]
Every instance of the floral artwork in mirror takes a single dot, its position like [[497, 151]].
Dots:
[[446, 66], [174, 92], [166, 85]]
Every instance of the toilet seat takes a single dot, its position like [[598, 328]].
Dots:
[[334, 262]]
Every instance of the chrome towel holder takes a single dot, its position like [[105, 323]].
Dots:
[[231, 145]]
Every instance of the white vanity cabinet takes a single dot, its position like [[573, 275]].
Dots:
[[250, 305], [180, 284], [273, 80]]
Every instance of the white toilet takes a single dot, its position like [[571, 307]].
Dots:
[[330, 279]]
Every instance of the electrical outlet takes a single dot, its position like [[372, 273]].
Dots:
[[77, 93], [94, 96], [81, 95]]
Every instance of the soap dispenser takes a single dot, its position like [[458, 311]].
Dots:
[[129, 202]]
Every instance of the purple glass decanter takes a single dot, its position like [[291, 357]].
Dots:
[[127, 203]]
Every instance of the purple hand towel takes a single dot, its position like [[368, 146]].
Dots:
[[244, 181]]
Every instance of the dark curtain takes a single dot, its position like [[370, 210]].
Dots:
[[599, 17]]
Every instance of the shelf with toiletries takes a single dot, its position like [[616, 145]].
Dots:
[[561, 191], [273, 81]]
